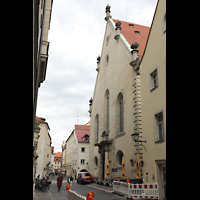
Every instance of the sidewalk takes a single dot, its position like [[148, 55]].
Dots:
[[39, 195]]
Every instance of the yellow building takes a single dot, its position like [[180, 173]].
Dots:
[[153, 101]]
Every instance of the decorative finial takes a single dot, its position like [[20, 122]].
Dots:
[[118, 30], [108, 12], [135, 45], [118, 24]]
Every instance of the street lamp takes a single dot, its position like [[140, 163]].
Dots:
[[135, 137]]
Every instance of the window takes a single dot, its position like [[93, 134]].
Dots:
[[153, 80], [159, 127], [82, 149], [95, 161], [131, 25], [164, 24], [120, 114], [107, 59], [119, 156], [96, 129], [137, 32], [82, 161], [106, 113]]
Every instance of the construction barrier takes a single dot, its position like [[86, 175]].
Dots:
[[136, 191], [121, 188], [72, 195]]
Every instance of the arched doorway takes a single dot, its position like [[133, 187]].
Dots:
[[84, 170]]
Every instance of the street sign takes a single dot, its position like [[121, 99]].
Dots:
[[114, 169]]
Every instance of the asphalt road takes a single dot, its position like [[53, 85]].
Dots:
[[100, 192]]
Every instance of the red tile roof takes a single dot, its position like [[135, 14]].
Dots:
[[42, 120], [81, 131], [129, 33], [58, 155]]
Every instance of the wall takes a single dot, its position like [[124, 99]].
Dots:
[[154, 101], [117, 76]]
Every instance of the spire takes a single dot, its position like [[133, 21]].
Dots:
[[108, 12]]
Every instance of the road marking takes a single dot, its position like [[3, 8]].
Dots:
[[51, 195], [54, 181], [100, 188]]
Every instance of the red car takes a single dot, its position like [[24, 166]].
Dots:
[[84, 177]]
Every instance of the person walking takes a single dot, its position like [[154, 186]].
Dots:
[[59, 182]]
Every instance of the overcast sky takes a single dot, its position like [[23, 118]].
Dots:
[[76, 36]]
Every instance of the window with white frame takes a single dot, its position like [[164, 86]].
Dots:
[[159, 127], [82, 161], [153, 80]]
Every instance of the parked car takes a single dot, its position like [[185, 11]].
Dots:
[[84, 177]]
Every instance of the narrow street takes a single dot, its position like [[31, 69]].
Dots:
[[101, 192]]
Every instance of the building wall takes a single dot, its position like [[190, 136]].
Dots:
[[69, 150], [42, 150], [116, 76], [154, 101]]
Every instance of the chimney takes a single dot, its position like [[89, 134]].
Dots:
[[108, 12], [118, 30]]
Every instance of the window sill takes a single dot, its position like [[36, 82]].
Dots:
[[153, 88], [160, 140], [120, 134]]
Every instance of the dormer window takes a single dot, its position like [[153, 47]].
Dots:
[[137, 32], [131, 25], [86, 138]]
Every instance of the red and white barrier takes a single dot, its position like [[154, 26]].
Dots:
[[121, 188], [136, 191]]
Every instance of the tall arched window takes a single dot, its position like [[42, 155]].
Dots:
[[106, 112], [96, 127], [120, 114]]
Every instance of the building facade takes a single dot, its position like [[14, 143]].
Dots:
[[115, 108], [153, 101], [57, 162], [44, 149], [41, 24], [80, 156]]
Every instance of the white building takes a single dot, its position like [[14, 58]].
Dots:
[[44, 149], [80, 155]]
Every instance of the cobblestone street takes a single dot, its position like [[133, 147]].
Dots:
[[101, 192]]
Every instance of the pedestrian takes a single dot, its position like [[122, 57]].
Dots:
[[59, 182], [70, 180]]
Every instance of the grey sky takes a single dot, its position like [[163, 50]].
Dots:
[[76, 36]]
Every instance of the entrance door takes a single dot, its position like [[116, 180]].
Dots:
[[163, 172]]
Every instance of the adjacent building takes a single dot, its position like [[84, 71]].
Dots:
[[115, 108], [44, 149], [80, 156], [153, 101], [75, 150], [57, 162], [41, 24]]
